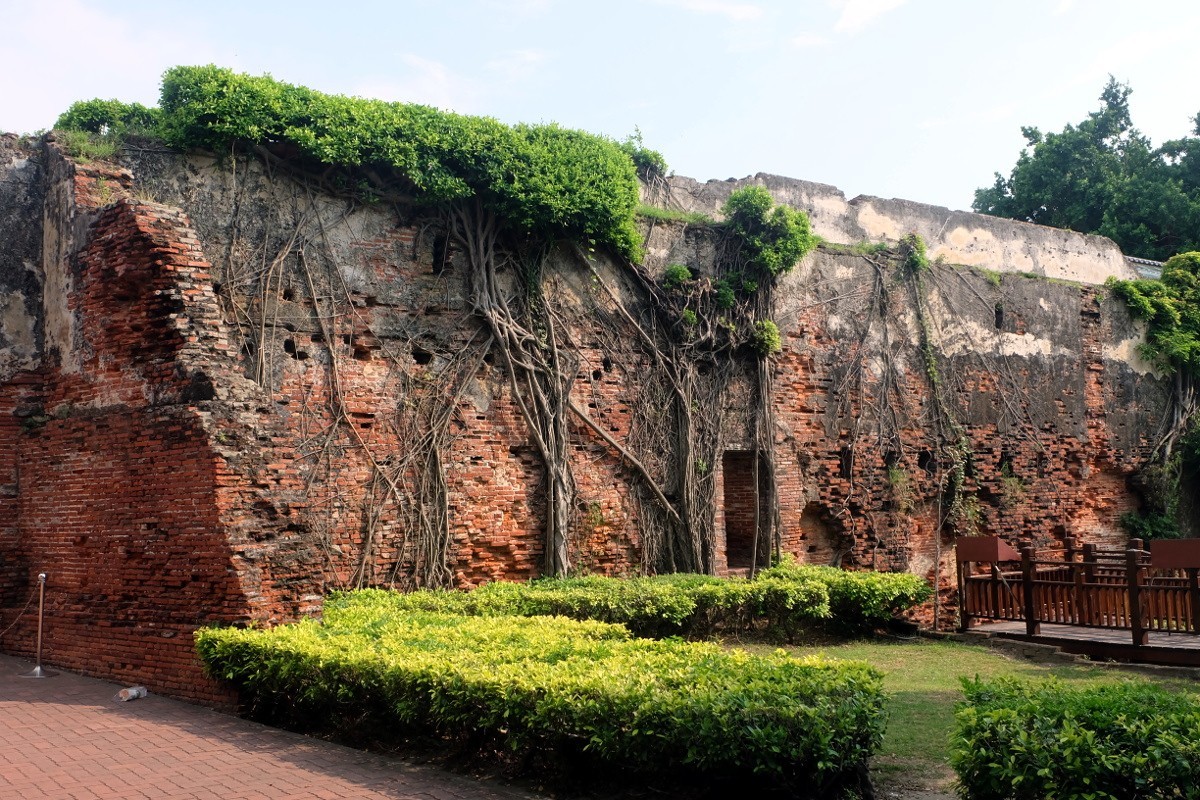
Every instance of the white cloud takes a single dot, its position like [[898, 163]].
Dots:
[[423, 81], [1063, 7], [807, 40], [77, 51], [737, 12], [858, 14], [524, 8], [984, 116], [516, 65]]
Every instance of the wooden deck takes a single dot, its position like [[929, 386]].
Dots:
[[1134, 604], [1175, 649]]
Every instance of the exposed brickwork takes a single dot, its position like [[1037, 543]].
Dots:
[[193, 453]]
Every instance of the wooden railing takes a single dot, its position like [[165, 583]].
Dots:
[[1132, 589]]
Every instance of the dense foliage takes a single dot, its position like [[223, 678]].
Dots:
[[1120, 741], [857, 600], [1103, 176], [557, 685], [545, 181], [109, 117], [668, 605], [1171, 308], [772, 237], [782, 600]]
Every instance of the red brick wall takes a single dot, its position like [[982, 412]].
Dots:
[[116, 482], [162, 488]]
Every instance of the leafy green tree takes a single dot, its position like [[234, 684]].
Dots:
[[1103, 176]]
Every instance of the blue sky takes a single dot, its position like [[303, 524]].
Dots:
[[919, 99]]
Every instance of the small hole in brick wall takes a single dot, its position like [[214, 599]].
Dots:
[[489, 359], [1041, 465], [441, 253], [316, 337], [248, 349], [606, 364], [999, 316], [362, 353], [421, 356], [289, 295], [926, 462], [846, 462], [289, 347], [597, 374]]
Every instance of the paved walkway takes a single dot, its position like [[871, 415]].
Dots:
[[65, 738]]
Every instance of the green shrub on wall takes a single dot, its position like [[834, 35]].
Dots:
[[1171, 308], [1022, 741], [773, 238], [545, 181], [555, 685]]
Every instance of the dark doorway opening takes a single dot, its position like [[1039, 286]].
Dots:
[[738, 468]]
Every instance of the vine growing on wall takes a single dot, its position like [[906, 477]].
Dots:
[[508, 196], [1170, 307], [957, 505], [700, 333]]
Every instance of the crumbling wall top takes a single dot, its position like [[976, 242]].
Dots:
[[958, 237]]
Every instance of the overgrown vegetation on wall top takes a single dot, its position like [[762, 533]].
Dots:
[[544, 180]]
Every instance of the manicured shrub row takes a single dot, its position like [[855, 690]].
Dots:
[[857, 600], [783, 600], [558, 685], [669, 605], [1130, 740]]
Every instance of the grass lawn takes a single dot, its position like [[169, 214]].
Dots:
[[922, 678]]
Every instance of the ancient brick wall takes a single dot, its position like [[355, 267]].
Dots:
[[115, 479], [238, 386]]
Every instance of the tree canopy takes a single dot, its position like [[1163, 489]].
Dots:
[[1104, 176]]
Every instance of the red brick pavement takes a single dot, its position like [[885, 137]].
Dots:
[[65, 738]]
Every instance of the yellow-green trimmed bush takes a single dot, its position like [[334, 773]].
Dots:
[[660, 606], [858, 600], [550, 683]]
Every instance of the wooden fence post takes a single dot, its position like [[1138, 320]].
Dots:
[[995, 592], [1032, 626], [1133, 568], [1193, 600], [964, 616]]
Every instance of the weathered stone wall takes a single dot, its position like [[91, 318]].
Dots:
[[21, 186], [957, 237], [221, 414]]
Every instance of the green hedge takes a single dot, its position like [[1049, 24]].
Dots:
[[1047, 740], [784, 600], [857, 600], [544, 181], [667, 605], [552, 684]]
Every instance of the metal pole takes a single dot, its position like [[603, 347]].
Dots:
[[38, 672]]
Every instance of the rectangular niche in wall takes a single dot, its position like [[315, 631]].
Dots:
[[738, 469]]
